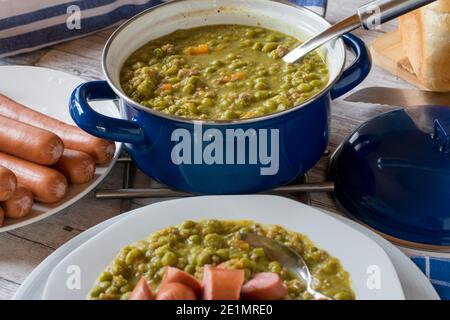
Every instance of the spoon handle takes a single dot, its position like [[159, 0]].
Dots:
[[335, 31], [378, 12], [368, 16]]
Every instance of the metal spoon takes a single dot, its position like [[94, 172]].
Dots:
[[287, 257], [368, 16]]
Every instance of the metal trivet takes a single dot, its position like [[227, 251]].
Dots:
[[299, 190]]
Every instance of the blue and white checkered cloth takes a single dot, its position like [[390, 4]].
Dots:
[[30, 25], [437, 269]]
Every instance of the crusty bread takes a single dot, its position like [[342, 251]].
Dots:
[[426, 39]]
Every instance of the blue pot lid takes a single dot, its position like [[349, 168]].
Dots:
[[393, 174]]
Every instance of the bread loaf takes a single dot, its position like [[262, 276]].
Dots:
[[426, 39]]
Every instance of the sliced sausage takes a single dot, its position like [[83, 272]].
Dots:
[[141, 291], [264, 286], [174, 275], [222, 284], [8, 183], [29, 143], [46, 184], [19, 205], [102, 151], [78, 167], [2, 216], [175, 291]]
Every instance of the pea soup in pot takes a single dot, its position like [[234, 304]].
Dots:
[[192, 245], [221, 72]]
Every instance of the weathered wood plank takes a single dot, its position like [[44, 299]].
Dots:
[[23, 249]]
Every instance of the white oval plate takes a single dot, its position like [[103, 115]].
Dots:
[[48, 91], [361, 257]]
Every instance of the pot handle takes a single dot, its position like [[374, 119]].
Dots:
[[357, 71], [97, 124]]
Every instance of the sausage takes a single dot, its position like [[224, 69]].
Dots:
[[19, 205], [141, 291], [8, 183], [264, 286], [172, 275], [175, 291], [46, 184], [102, 151], [78, 167], [2, 216], [222, 284], [29, 143]]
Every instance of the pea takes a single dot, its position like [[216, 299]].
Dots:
[[237, 65], [260, 86], [312, 76], [189, 269], [217, 63], [132, 256], [257, 46], [169, 259], [96, 292], [275, 267], [261, 94], [245, 43], [158, 52], [126, 288], [188, 224], [213, 240], [104, 284], [207, 102], [194, 239], [270, 46], [343, 295], [250, 33], [210, 70], [257, 253], [229, 115], [223, 254], [231, 56], [304, 87], [204, 258], [189, 89], [171, 71], [271, 38], [105, 276], [316, 83], [145, 89]]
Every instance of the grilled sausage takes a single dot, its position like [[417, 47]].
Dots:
[[8, 183], [19, 205], [29, 143], [222, 284], [141, 291], [174, 275], [264, 286], [78, 167], [102, 151], [46, 184], [175, 291]]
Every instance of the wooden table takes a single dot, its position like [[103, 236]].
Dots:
[[23, 249]]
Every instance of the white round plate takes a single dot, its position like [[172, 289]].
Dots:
[[358, 254], [48, 91], [415, 284]]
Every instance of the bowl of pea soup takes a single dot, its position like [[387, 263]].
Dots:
[[208, 105]]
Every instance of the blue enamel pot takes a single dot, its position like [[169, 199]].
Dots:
[[220, 157]]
